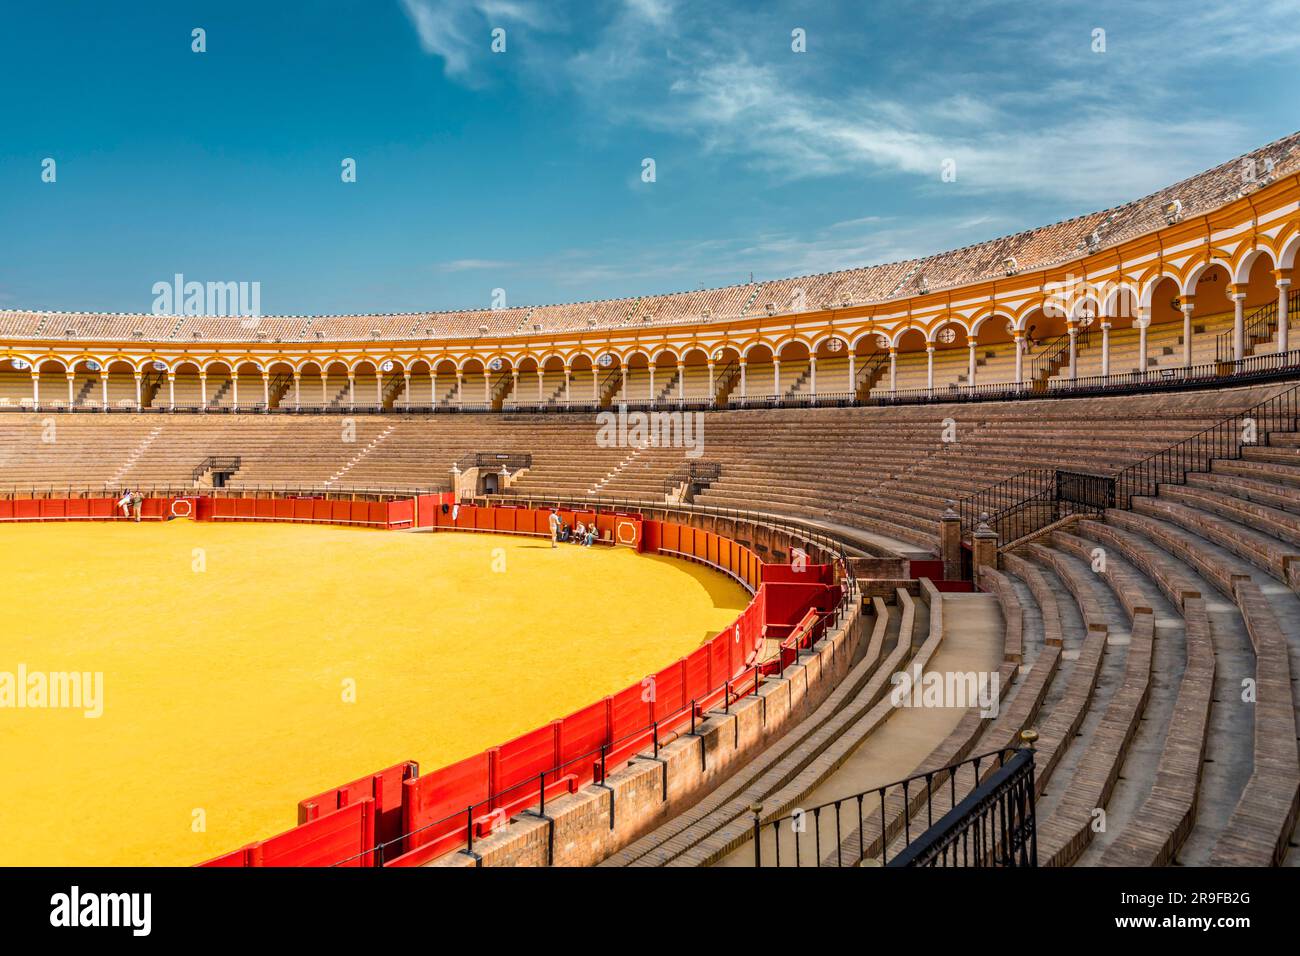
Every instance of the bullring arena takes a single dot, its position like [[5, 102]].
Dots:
[[1056, 472]]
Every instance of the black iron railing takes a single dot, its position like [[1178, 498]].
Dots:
[[225, 463], [1260, 326], [1196, 453], [994, 826], [991, 821], [697, 473], [1030, 500]]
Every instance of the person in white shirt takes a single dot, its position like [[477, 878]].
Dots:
[[554, 523]]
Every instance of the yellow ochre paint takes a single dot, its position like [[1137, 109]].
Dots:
[[227, 652]]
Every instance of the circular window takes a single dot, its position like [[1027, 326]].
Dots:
[[948, 335]]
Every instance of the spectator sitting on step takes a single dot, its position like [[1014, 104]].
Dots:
[[579, 533], [592, 535]]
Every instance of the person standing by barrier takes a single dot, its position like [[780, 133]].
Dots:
[[124, 503], [554, 523], [137, 502]]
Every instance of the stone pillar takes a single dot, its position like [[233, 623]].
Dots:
[[1105, 347], [352, 390], [171, 391], [853, 373], [487, 389], [712, 394], [984, 548], [776, 376], [234, 389], [950, 542], [541, 376], [72, 395], [297, 390], [36, 388], [1073, 331], [1018, 337], [568, 372], [595, 385], [203, 390], [1283, 277], [266, 390], [138, 394], [324, 389], [1187, 306], [1238, 295], [812, 377], [1144, 323], [742, 380], [406, 389], [103, 384], [893, 368], [929, 367], [970, 362], [650, 392], [460, 388]]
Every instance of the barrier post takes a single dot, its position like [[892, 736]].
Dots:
[[757, 810], [469, 829], [654, 727]]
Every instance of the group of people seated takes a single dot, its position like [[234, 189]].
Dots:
[[583, 534]]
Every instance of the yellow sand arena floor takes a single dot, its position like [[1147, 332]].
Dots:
[[223, 688]]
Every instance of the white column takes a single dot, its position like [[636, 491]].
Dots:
[[776, 376], [234, 388], [36, 388], [567, 372], [379, 388], [71, 392], [324, 390], [103, 382], [1283, 320], [595, 385], [1020, 356], [297, 390], [812, 377], [460, 388], [1105, 348], [1187, 332], [433, 387], [352, 389], [203, 390], [171, 391], [853, 373], [1238, 296], [970, 363], [266, 390], [1144, 322], [681, 382], [406, 389], [650, 395], [893, 368], [929, 367], [487, 388], [712, 395], [138, 396], [1073, 331], [742, 380], [541, 375]]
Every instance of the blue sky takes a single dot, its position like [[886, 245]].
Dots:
[[522, 170]]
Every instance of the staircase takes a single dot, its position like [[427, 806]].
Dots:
[[622, 466], [869, 375], [361, 455], [726, 382], [662, 395], [609, 387], [215, 398], [134, 456], [84, 393], [393, 389], [799, 383], [1260, 326], [501, 390]]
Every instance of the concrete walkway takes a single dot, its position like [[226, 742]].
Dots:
[[972, 641]]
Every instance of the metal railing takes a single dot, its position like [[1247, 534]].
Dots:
[[991, 821], [1269, 366], [1196, 453], [1260, 326], [1030, 500], [693, 473], [227, 463]]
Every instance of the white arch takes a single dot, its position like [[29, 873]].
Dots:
[[1247, 263]]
